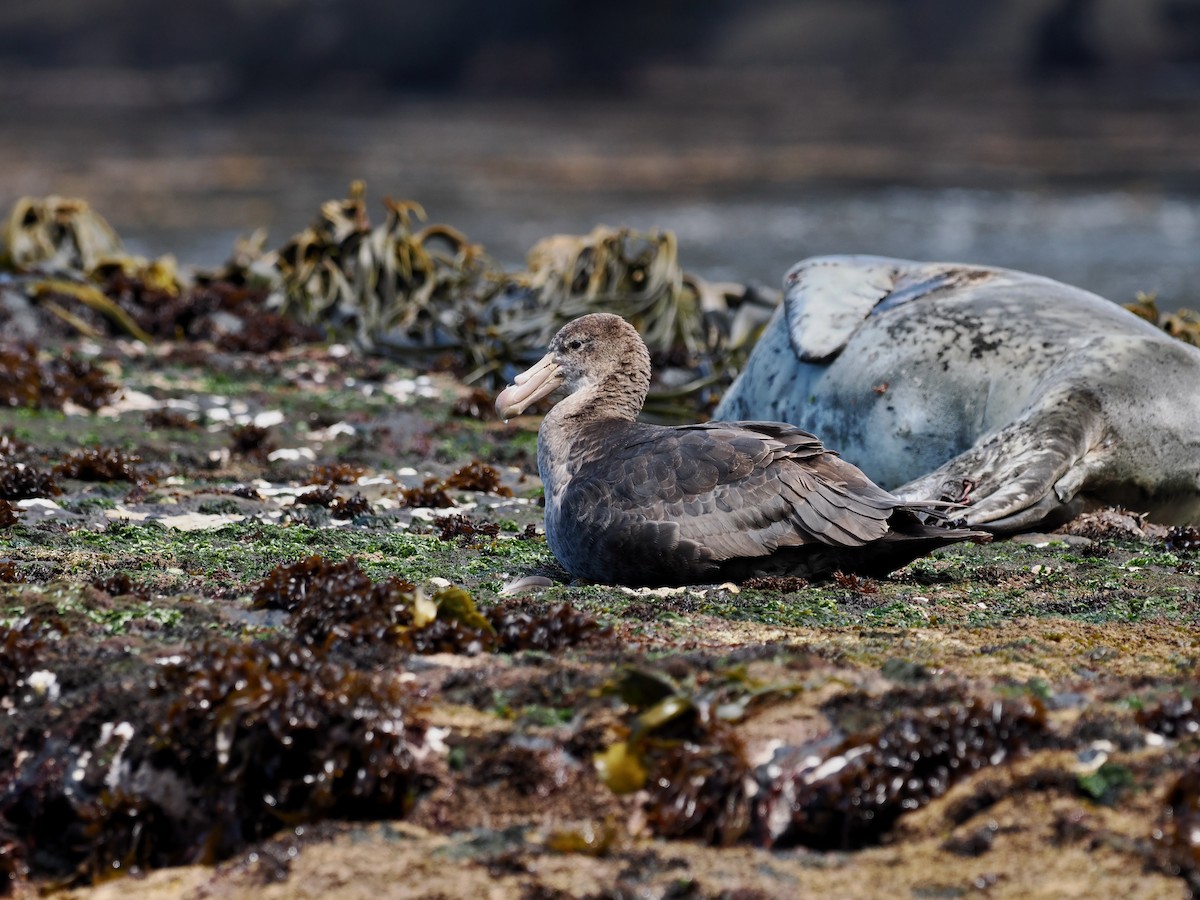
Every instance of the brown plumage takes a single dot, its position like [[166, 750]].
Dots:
[[633, 503]]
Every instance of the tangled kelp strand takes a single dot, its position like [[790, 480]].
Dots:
[[57, 233]]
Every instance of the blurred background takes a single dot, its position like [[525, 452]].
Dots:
[[1058, 136]]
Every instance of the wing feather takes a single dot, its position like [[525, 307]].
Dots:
[[734, 489]]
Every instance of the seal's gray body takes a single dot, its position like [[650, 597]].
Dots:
[[1025, 398]]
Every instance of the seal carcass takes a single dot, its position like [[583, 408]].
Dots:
[[1025, 399]]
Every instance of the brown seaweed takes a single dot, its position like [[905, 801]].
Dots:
[[101, 464], [27, 382], [850, 794], [21, 482], [234, 742], [1177, 837]]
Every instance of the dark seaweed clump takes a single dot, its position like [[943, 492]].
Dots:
[[520, 626], [350, 507], [682, 750], [478, 476], [784, 584], [1174, 718], [25, 382], [8, 514], [338, 603], [466, 530], [851, 795], [234, 742], [170, 419], [120, 584], [267, 332], [430, 495], [336, 606], [1178, 837], [101, 464], [336, 473], [478, 404], [686, 757], [322, 496], [21, 646], [1182, 537], [339, 507], [230, 314], [322, 740], [474, 476], [701, 789], [20, 482], [251, 441]]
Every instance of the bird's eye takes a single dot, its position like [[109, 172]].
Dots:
[[576, 344]]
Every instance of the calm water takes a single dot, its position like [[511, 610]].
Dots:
[[748, 190], [1114, 243]]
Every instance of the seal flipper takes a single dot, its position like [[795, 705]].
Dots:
[[826, 298], [1025, 472]]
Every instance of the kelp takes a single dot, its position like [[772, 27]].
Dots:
[[1183, 324], [420, 292]]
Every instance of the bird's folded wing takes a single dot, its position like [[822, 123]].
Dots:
[[746, 489]]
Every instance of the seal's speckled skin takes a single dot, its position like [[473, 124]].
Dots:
[[1024, 397]]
